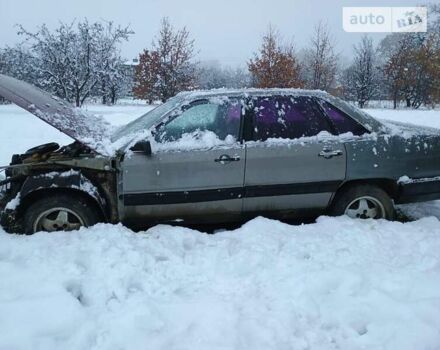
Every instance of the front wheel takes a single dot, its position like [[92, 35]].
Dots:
[[59, 212], [363, 202]]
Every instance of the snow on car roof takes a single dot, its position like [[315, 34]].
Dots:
[[253, 91]]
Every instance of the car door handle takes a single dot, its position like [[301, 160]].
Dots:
[[329, 153], [225, 158]]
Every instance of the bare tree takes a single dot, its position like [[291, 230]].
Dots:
[[275, 65], [394, 62], [321, 59], [411, 67], [212, 75], [115, 81], [434, 18], [238, 77], [75, 59], [18, 62], [168, 68], [361, 78]]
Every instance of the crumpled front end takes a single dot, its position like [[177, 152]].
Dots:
[[3, 191], [5, 187], [8, 192], [8, 221]]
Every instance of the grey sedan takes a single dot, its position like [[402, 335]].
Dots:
[[216, 156]]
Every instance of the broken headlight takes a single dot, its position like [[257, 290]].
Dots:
[[5, 185]]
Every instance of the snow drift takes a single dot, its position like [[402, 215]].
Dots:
[[336, 284]]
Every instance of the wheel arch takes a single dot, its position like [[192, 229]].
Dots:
[[390, 186], [68, 182], [31, 197]]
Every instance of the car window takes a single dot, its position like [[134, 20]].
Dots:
[[220, 119], [287, 117], [341, 121]]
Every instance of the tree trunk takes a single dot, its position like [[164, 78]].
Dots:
[[408, 102], [113, 93], [77, 99], [104, 95]]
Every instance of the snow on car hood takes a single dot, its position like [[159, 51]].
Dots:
[[87, 129]]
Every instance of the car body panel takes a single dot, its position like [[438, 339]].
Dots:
[[418, 190], [294, 173], [392, 157], [156, 186], [401, 150]]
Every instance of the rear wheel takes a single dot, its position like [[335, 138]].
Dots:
[[363, 202], [59, 212]]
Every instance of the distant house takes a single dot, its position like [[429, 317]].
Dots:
[[129, 70]]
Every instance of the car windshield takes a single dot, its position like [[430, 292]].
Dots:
[[148, 120]]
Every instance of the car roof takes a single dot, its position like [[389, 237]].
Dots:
[[194, 94]]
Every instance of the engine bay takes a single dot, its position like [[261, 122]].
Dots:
[[52, 151]]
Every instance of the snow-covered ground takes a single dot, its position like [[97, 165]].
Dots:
[[334, 284]]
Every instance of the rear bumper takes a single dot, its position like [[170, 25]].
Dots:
[[419, 190]]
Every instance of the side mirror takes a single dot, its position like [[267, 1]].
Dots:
[[143, 147]]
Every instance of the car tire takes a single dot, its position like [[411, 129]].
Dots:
[[59, 212], [364, 202]]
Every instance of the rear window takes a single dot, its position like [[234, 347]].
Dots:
[[342, 122]]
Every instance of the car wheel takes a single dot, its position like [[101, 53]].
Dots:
[[363, 202], [59, 212]]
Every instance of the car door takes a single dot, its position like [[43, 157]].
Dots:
[[195, 171], [293, 161]]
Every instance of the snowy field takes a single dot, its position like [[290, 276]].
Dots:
[[333, 284]]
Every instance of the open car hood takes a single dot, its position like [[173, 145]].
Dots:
[[85, 128]]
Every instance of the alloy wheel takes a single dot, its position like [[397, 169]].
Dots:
[[365, 207], [58, 219]]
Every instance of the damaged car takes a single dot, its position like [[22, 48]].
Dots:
[[213, 157]]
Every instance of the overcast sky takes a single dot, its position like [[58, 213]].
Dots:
[[228, 31]]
